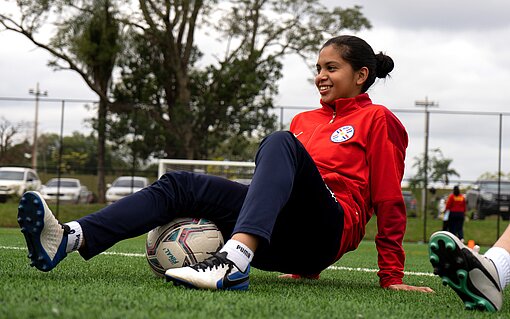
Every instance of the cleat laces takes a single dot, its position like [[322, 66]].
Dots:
[[215, 261]]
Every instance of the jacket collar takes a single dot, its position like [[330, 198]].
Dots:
[[345, 106]]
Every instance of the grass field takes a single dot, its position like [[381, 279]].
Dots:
[[484, 232], [119, 284]]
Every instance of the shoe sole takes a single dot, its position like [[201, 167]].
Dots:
[[451, 265], [31, 221], [179, 282]]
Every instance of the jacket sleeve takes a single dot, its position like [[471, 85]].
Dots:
[[386, 154], [449, 202]]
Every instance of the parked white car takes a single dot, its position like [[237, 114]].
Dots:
[[123, 186], [70, 190], [14, 181]]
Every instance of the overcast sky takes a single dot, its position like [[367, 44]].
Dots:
[[456, 53]]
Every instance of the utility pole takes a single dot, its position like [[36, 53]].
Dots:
[[37, 93], [424, 198]]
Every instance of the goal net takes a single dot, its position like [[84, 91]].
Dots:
[[238, 171]]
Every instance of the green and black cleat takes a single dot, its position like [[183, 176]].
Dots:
[[471, 275]]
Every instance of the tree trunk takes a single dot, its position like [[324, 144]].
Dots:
[[101, 139], [183, 96]]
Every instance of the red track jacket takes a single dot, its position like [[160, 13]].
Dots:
[[359, 149], [456, 203]]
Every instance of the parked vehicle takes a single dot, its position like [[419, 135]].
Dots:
[[484, 201], [410, 202], [123, 186], [67, 190], [14, 181]]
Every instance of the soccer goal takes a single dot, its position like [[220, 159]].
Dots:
[[234, 170]]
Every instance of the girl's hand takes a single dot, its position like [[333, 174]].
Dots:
[[410, 288]]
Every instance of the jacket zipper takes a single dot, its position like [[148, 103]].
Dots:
[[333, 118], [318, 126]]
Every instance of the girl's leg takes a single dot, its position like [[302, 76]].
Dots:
[[453, 224], [462, 218], [504, 240], [289, 207], [175, 194], [288, 215]]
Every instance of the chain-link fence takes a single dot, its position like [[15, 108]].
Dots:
[[475, 141]]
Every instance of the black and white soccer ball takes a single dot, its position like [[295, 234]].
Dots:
[[180, 243]]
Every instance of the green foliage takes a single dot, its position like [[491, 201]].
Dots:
[[235, 148], [187, 111], [90, 36], [99, 43], [494, 176], [169, 101], [438, 169], [441, 170], [79, 154], [233, 103], [8, 132], [17, 155], [87, 41]]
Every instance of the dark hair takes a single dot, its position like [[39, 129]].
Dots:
[[456, 190], [358, 53]]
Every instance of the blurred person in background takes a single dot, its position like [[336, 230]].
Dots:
[[455, 213]]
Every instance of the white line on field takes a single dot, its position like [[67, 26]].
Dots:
[[112, 253], [409, 273], [12, 248]]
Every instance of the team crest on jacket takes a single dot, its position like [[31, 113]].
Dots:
[[342, 134]]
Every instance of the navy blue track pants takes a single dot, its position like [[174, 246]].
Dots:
[[456, 224], [287, 205]]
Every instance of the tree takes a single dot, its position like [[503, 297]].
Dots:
[[87, 41], [193, 110], [494, 176], [441, 170], [8, 132], [438, 169], [79, 154], [186, 109]]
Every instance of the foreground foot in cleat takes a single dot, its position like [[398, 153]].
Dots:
[[216, 272], [46, 238], [471, 275]]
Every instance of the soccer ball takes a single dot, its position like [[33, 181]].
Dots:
[[180, 243]]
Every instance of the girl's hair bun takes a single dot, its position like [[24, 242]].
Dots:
[[384, 65]]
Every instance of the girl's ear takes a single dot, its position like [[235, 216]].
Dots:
[[362, 75]]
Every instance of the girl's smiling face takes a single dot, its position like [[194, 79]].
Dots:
[[336, 78]]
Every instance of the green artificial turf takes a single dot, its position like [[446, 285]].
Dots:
[[122, 286], [483, 232]]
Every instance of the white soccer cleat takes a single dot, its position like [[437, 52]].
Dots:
[[471, 275], [46, 238], [216, 272]]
